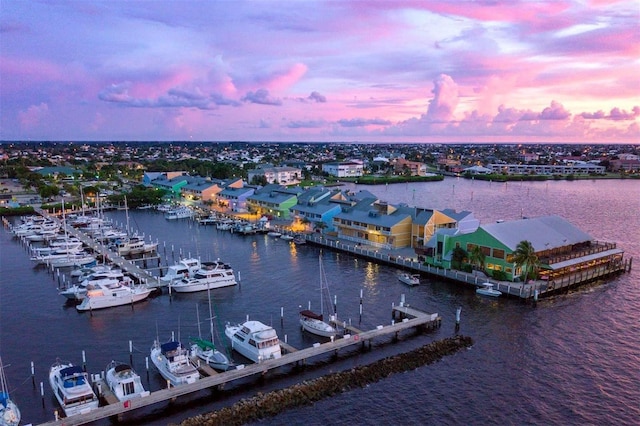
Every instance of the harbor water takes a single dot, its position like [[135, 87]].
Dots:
[[572, 358]]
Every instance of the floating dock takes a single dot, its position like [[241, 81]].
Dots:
[[411, 319]]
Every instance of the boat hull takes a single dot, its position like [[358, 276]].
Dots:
[[178, 372]]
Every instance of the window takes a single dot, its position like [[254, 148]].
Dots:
[[498, 253]]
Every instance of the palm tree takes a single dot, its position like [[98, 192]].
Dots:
[[525, 257], [457, 257], [477, 257]]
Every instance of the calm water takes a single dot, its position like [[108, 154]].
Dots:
[[572, 359]]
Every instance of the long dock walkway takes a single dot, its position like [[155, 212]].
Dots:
[[421, 319], [138, 273]]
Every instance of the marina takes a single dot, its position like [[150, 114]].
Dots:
[[250, 254]]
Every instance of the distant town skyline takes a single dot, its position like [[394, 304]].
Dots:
[[321, 71]]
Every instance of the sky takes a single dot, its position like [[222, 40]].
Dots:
[[321, 71]]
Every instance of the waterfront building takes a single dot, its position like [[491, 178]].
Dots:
[[577, 168], [376, 224], [427, 222], [235, 198], [274, 200], [560, 247], [343, 169], [171, 182], [318, 206]]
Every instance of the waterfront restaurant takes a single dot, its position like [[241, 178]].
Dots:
[[560, 247], [274, 200]]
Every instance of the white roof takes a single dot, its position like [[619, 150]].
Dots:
[[543, 233]]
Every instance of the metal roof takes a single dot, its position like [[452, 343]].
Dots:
[[543, 233]]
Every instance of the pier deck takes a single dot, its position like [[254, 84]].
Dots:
[[421, 319]]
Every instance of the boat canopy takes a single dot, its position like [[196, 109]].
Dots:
[[122, 367], [203, 344], [169, 346], [70, 371], [311, 314]]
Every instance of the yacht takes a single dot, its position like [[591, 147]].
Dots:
[[181, 212], [134, 245], [254, 340], [210, 275], [108, 295], [183, 269], [124, 382], [79, 291], [70, 385], [173, 363]]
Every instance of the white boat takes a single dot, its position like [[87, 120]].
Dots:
[[9, 411], [254, 340], [314, 322], [62, 260], [134, 245], [274, 234], [409, 279], [210, 275], [183, 269], [173, 363], [71, 387], [124, 382], [486, 289], [78, 291], [181, 212], [100, 296], [286, 237]]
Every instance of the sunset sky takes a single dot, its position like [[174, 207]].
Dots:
[[328, 71]]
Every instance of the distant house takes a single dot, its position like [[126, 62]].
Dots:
[[478, 170], [414, 168], [343, 169], [281, 175], [59, 170]]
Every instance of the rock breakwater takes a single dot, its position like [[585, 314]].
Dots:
[[271, 404]]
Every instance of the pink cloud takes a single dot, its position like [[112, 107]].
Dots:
[[445, 99], [33, 115]]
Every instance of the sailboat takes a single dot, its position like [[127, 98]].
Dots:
[[9, 412], [206, 350], [314, 322]]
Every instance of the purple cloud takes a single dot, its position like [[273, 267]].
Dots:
[[315, 96], [362, 122], [262, 97]]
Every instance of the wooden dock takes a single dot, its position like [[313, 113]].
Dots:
[[419, 320]]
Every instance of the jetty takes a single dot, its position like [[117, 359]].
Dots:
[[412, 319]]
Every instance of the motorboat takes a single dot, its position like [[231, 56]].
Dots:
[[409, 279], [100, 296], [274, 234], [70, 385], [181, 212], [254, 340], [9, 411], [210, 275], [486, 289], [286, 237], [183, 269], [299, 239], [173, 363], [314, 322], [124, 382]]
